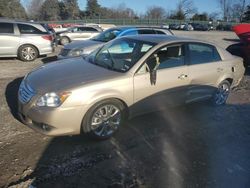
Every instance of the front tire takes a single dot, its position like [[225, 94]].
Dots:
[[103, 119], [27, 53], [222, 93]]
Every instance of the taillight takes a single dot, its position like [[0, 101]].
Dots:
[[47, 37]]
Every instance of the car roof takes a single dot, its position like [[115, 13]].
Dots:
[[123, 28], [158, 39], [17, 21]]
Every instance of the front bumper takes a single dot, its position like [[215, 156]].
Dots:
[[52, 121]]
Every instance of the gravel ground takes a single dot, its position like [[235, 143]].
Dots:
[[190, 146]]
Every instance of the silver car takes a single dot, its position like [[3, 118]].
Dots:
[[25, 40], [77, 33], [126, 77], [85, 47]]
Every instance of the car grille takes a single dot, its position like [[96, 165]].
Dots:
[[64, 52], [25, 93]]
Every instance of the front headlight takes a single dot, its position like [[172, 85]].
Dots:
[[52, 99], [76, 52]]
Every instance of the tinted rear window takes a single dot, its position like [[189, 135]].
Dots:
[[29, 29], [6, 28], [202, 53], [146, 31], [160, 32]]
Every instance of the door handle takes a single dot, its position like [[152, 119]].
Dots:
[[219, 69], [182, 76]]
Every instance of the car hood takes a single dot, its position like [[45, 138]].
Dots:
[[67, 74], [83, 44]]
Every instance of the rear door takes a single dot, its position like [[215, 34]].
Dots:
[[9, 39], [86, 33], [204, 70]]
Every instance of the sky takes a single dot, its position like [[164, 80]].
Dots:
[[140, 6]]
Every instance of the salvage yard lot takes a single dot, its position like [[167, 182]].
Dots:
[[189, 146]]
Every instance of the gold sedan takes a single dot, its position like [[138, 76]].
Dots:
[[126, 77]]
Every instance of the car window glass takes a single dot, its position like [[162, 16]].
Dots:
[[159, 32], [28, 29], [90, 29], [122, 47], [107, 35], [146, 31], [6, 28], [145, 47], [133, 32], [122, 54], [170, 56], [202, 53]]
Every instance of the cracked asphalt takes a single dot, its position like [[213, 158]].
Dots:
[[192, 146]]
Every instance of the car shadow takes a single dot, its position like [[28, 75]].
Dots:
[[187, 146], [11, 95], [49, 59]]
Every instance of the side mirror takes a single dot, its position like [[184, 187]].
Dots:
[[153, 65], [153, 75]]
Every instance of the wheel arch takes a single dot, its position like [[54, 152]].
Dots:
[[101, 100], [229, 78], [30, 45]]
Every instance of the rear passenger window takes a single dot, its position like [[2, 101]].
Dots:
[[28, 29], [133, 32], [6, 28], [202, 53], [89, 29], [160, 32], [146, 31]]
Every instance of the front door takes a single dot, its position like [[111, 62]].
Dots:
[[171, 80]]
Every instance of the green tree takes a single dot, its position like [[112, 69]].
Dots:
[[200, 17], [246, 16], [178, 15], [50, 10], [93, 8], [71, 9], [33, 9], [12, 9]]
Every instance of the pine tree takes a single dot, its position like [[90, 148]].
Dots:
[[12, 9], [72, 10], [93, 8], [246, 16], [50, 10]]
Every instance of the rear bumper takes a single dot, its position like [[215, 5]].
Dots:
[[47, 50]]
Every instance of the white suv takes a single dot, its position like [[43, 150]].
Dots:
[[25, 40]]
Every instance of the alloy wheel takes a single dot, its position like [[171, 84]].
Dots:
[[28, 53], [222, 94], [106, 120]]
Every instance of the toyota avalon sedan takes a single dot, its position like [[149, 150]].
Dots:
[[126, 77]]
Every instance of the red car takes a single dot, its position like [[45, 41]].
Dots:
[[243, 32]]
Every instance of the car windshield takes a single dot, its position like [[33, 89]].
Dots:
[[107, 35], [120, 55]]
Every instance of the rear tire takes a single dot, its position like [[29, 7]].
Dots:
[[27, 53], [221, 94], [64, 41], [104, 118]]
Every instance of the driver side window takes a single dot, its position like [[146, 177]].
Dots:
[[165, 57], [171, 56]]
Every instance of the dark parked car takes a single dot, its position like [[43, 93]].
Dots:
[[200, 27]]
